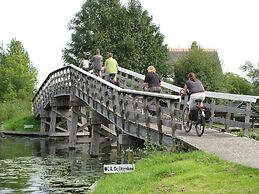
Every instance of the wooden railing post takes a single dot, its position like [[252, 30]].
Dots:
[[136, 115], [121, 103], [147, 118], [228, 117], [173, 126], [114, 107], [247, 117], [159, 120], [213, 102], [126, 109]]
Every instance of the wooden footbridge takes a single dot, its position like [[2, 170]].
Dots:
[[73, 102]]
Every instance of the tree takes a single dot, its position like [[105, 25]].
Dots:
[[237, 85], [127, 31], [252, 73], [17, 75], [206, 67]]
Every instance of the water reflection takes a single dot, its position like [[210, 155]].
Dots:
[[32, 165]]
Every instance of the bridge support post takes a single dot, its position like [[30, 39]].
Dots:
[[95, 140], [43, 126], [73, 127], [83, 111], [53, 119], [96, 120], [43, 121]]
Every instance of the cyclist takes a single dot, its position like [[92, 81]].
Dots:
[[196, 91]]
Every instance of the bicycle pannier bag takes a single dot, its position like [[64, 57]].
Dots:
[[207, 113], [193, 114]]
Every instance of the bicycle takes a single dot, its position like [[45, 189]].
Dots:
[[196, 118]]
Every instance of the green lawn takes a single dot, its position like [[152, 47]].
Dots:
[[194, 172], [17, 124]]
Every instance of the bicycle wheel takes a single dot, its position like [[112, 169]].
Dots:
[[186, 128], [200, 125]]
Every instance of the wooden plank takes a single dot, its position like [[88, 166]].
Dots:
[[73, 127], [247, 117], [53, 117], [159, 120], [231, 123]]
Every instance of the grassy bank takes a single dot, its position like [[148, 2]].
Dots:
[[18, 123], [15, 114], [194, 172], [251, 134]]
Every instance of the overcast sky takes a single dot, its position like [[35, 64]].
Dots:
[[230, 26]]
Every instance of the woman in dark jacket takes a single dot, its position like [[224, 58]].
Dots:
[[152, 80]]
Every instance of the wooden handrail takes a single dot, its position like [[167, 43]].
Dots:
[[218, 95]]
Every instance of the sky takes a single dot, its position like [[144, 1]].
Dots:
[[230, 26]]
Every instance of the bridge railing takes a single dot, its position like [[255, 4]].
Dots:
[[57, 82], [223, 106], [128, 109]]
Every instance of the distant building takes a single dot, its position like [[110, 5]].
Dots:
[[175, 53]]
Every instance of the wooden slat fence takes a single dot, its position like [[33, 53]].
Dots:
[[220, 103]]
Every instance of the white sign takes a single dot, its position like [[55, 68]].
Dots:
[[118, 168], [28, 126]]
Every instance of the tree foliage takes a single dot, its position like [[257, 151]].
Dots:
[[237, 85], [252, 73], [127, 31], [17, 75], [206, 67]]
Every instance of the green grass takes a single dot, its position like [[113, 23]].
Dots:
[[15, 114], [14, 109], [17, 124], [194, 172], [254, 134]]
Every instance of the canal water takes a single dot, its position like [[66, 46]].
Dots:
[[40, 165]]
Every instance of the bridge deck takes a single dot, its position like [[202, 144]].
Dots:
[[240, 150]]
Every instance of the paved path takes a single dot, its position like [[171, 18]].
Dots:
[[240, 150]]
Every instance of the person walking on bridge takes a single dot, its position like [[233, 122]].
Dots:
[[152, 83], [152, 80], [97, 63], [85, 63], [111, 67]]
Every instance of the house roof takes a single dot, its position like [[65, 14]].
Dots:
[[175, 53]]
